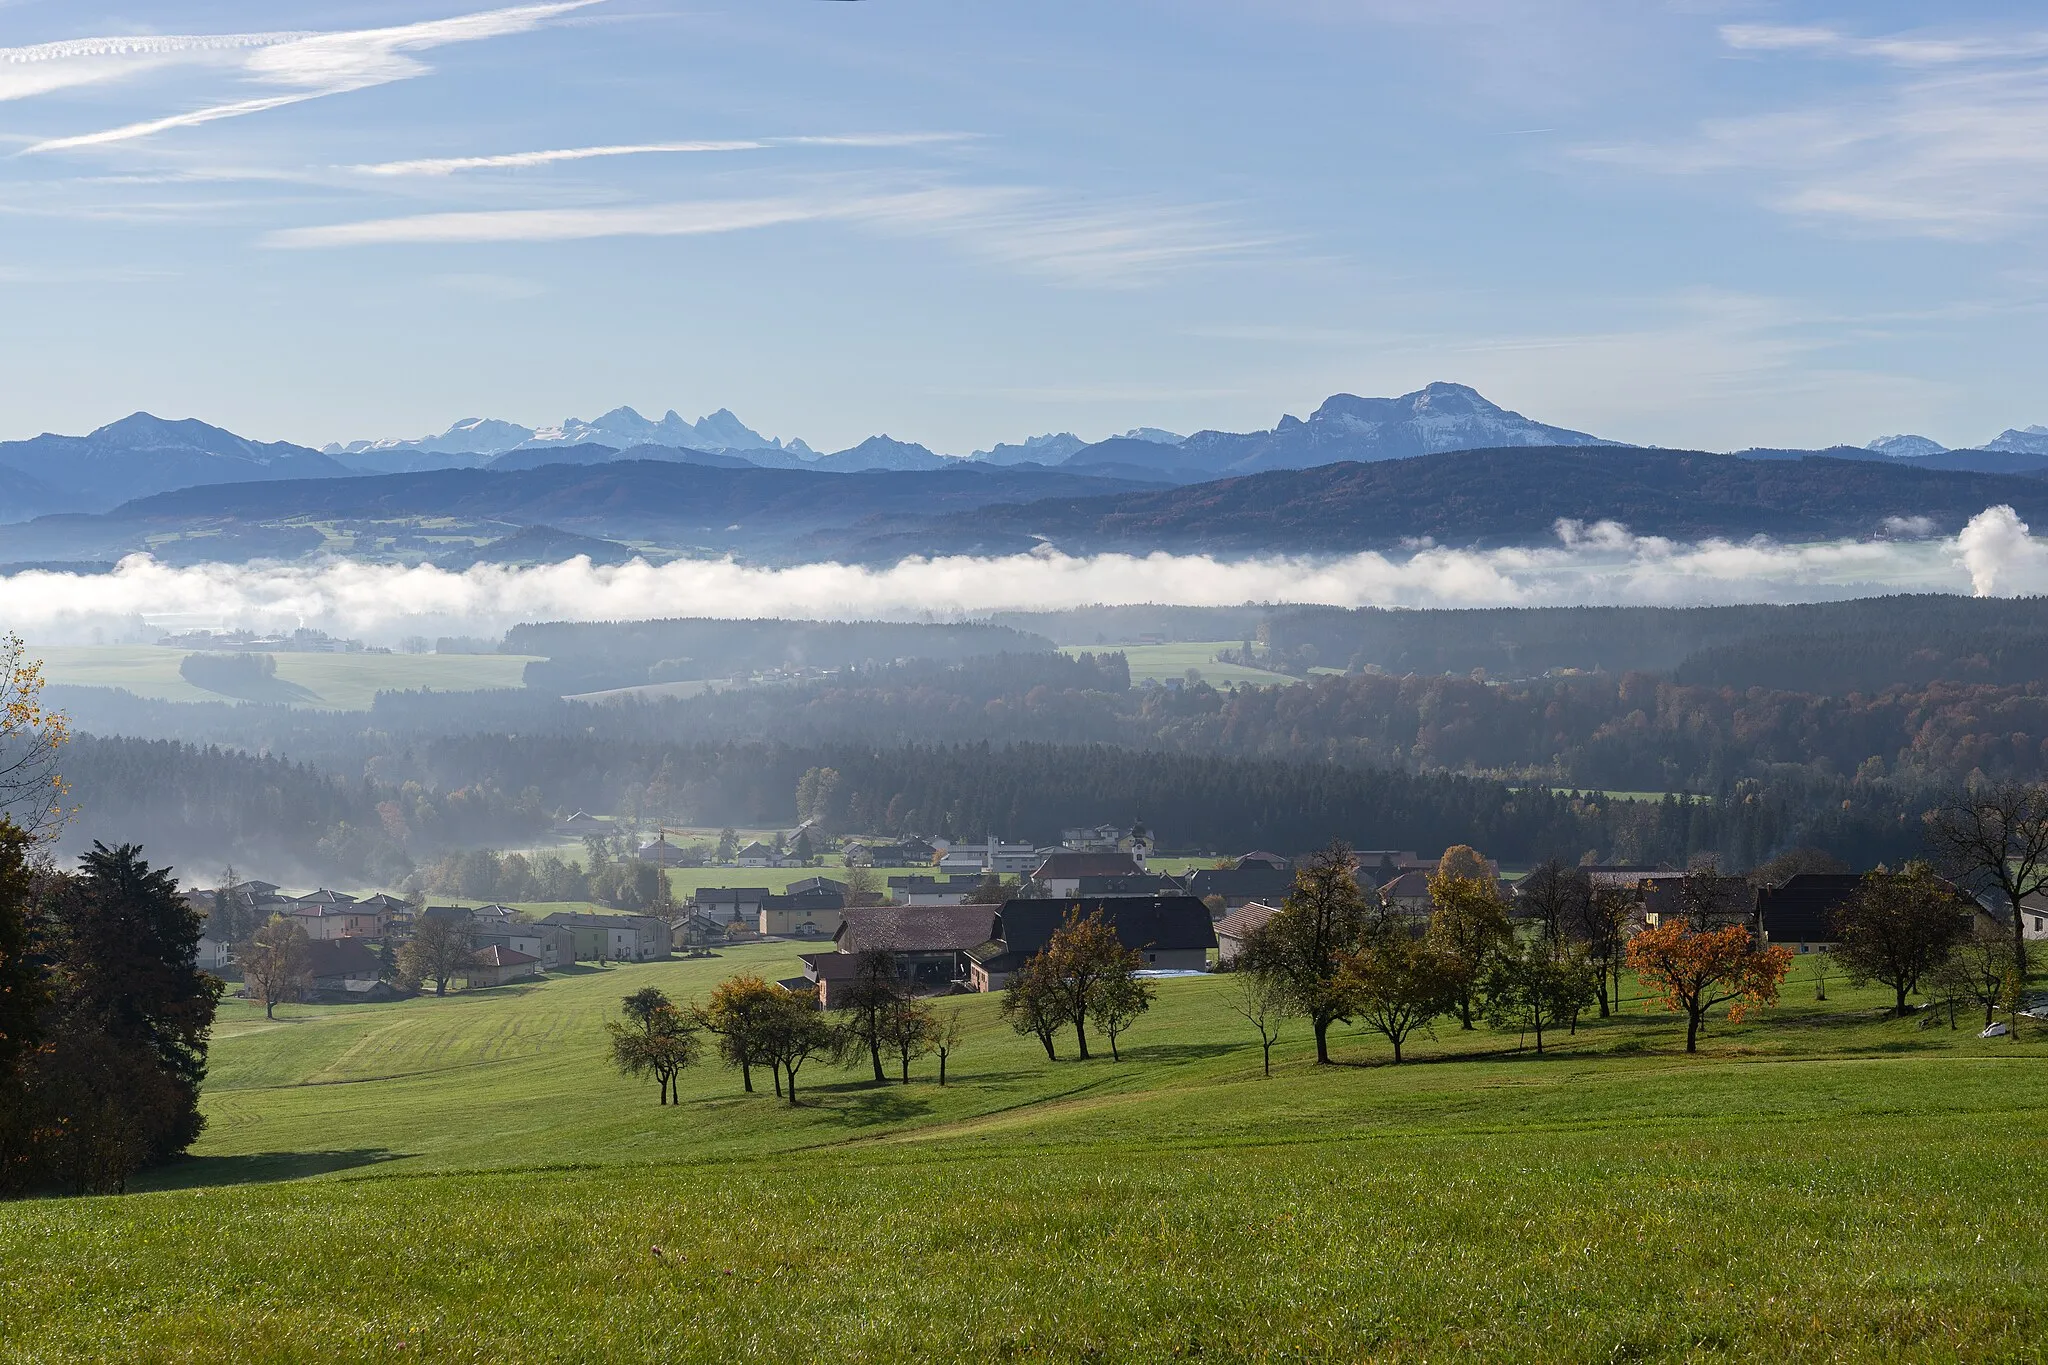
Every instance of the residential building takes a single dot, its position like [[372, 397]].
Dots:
[[929, 943], [1237, 926], [1381, 865], [826, 973], [347, 969], [1172, 933], [215, 955], [613, 938], [662, 853], [729, 904], [1059, 874], [551, 945], [803, 914], [497, 966], [336, 921], [934, 890], [756, 854], [2033, 916], [1239, 886], [583, 822], [908, 853], [1261, 858]]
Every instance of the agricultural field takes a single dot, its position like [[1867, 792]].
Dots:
[[341, 682], [1170, 663], [466, 1179]]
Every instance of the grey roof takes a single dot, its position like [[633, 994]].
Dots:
[[728, 895], [1066, 866], [915, 928], [1234, 882], [1161, 923], [333, 957]]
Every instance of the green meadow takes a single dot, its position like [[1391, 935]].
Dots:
[[1171, 662], [466, 1179], [341, 682]]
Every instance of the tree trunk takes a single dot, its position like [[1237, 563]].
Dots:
[[1081, 1036], [1050, 1054], [942, 1068], [1465, 1011], [1902, 999], [270, 1009], [1539, 1033], [1269, 1055], [906, 1068], [747, 1076], [1692, 1030], [1322, 1041], [875, 1053], [1397, 1049], [792, 1087], [777, 1069]]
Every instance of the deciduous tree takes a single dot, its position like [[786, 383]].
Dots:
[[1468, 928], [1898, 927], [1084, 958], [277, 964], [1398, 984], [31, 736], [736, 1014], [1537, 987], [911, 1031], [865, 1005], [1117, 1003], [1608, 911], [794, 1030], [438, 951], [1033, 1004], [1263, 1002], [654, 1038], [1301, 948], [947, 1035], [1693, 971], [1977, 965], [1994, 839]]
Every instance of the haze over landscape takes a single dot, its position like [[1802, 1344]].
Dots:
[[1326, 680]]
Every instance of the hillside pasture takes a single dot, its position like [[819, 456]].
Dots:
[[467, 1179], [1170, 663]]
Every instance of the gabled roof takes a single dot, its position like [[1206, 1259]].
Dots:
[[1245, 920], [497, 955], [1160, 923], [756, 849], [728, 895], [1803, 909], [383, 900], [1259, 855], [1256, 880], [1407, 886], [1067, 866], [325, 897], [914, 928], [332, 957], [808, 886]]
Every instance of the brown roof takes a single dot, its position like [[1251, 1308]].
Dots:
[[497, 955], [915, 928], [334, 957], [1408, 886], [1245, 920]]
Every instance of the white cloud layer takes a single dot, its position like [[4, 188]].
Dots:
[[451, 165], [1598, 563], [308, 65]]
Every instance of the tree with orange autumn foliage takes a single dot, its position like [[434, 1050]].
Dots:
[[31, 791], [1695, 970]]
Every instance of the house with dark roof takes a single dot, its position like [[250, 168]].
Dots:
[[827, 973], [614, 938], [755, 854], [729, 904], [1259, 857], [1239, 886], [809, 913], [551, 945], [1237, 926], [1059, 874], [1171, 933], [929, 942], [347, 969], [323, 921], [1140, 884]]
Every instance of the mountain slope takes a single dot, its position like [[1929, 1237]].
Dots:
[[1483, 498], [143, 454]]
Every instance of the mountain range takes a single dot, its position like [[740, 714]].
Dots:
[[142, 454]]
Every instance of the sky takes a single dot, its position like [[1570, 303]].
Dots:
[[959, 222]]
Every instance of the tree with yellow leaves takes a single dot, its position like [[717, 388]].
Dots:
[[31, 790]]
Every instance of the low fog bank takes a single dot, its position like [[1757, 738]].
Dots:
[[1601, 563]]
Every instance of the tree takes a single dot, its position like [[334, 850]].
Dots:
[[1301, 948], [1696, 970], [127, 945], [1995, 840], [794, 1030], [866, 1003], [911, 1031], [1463, 860], [992, 891], [1033, 1004], [1604, 932], [1084, 958], [947, 1035], [24, 989], [655, 1037], [31, 736], [1898, 927], [735, 1014], [1709, 898], [438, 951], [728, 845], [861, 887], [1468, 928], [1118, 1002], [1795, 862], [1538, 988], [1558, 899], [1976, 967], [277, 964], [802, 848], [1399, 984], [1261, 1001]]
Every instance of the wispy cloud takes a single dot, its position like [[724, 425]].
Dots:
[[1026, 229], [1951, 141], [309, 65], [451, 165]]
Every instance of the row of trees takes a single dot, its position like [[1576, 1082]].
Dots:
[[1084, 975], [104, 1019], [757, 1025]]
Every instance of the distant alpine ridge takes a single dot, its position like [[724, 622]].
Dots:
[[141, 455]]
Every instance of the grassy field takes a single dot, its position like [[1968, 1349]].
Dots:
[[342, 682], [464, 1179], [1170, 663]]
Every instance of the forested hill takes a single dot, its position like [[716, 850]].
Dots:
[[1481, 498]]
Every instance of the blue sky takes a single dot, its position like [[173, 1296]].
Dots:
[[958, 221]]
